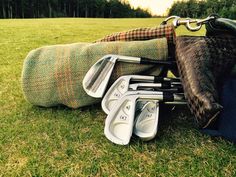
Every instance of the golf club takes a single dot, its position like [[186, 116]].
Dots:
[[166, 85], [146, 123], [119, 122], [116, 91], [96, 79], [107, 104]]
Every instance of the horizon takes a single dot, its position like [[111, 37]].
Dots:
[[156, 7]]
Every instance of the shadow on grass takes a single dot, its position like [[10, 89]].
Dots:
[[92, 110], [174, 122]]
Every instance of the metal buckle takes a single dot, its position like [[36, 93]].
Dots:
[[177, 21]]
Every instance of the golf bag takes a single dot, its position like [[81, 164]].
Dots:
[[204, 64], [225, 126]]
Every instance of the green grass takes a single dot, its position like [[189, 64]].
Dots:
[[63, 142]]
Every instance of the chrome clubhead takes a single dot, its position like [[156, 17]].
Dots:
[[96, 79], [146, 123], [120, 121], [108, 104], [121, 86]]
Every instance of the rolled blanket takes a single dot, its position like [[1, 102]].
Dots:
[[53, 75], [204, 63]]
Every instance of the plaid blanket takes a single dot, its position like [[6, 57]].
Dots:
[[53, 75]]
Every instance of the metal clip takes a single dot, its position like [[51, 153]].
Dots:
[[196, 27], [206, 20], [177, 21], [187, 23], [169, 18]]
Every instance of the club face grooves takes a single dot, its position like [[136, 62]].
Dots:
[[95, 74], [102, 75]]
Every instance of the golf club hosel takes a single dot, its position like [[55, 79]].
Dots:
[[144, 85], [164, 85], [140, 78], [128, 59], [177, 103], [142, 92], [165, 97], [158, 79], [142, 60], [151, 79]]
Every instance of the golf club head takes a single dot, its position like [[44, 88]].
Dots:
[[146, 123], [119, 122], [107, 104], [121, 86], [96, 79], [140, 105]]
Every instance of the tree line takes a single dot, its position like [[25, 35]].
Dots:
[[69, 8], [197, 9]]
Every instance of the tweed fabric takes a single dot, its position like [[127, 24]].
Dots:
[[53, 75], [203, 64]]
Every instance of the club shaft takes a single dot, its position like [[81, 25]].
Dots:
[[165, 97], [158, 79], [144, 60], [158, 61]]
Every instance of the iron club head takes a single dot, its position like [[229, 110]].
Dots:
[[121, 86], [146, 123], [96, 79], [108, 104], [119, 122]]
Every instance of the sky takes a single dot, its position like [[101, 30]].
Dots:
[[156, 7]]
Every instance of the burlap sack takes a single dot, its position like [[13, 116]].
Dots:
[[53, 75]]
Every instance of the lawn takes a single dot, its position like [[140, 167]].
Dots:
[[60, 141]]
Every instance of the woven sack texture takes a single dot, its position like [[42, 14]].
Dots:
[[53, 75], [204, 63]]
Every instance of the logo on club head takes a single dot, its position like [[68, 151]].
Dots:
[[117, 95], [122, 117]]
